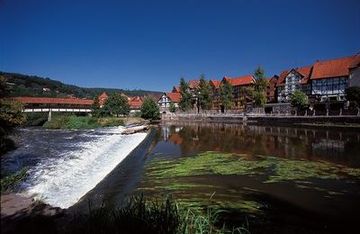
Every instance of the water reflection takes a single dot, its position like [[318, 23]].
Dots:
[[337, 146]]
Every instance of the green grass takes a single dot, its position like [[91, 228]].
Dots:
[[8, 183], [81, 122], [141, 215]]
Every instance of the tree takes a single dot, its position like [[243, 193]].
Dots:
[[204, 94], [185, 101], [299, 99], [353, 95], [172, 107], [150, 109], [117, 104], [95, 107], [226, 94], [11, 115], [259, 92], [259, 98]]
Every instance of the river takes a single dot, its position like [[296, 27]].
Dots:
[[289, 178]]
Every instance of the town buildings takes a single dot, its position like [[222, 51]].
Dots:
[[323, 81], [172, 97], [134, 102]]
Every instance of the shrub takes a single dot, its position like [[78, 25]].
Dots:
[[150, 110]]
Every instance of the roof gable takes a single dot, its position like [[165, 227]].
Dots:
[[333, 68], [174, 97], [241, 80]]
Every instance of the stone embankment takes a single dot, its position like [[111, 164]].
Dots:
[[352, 120]]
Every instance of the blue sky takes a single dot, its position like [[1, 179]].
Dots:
[[151, 44]]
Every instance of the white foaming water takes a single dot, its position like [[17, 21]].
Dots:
[[61, 182]]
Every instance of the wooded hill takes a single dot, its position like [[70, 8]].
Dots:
[[35, 86]]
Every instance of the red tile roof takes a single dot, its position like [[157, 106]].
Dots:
[[215, 83], [305, 72], [47, 100], [174, 97], [193, 84], [332, 68], [242, 80], [135, 102], [102, 98], [355, 63]]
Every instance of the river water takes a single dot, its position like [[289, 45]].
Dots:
[[290, 178], [64, 165]]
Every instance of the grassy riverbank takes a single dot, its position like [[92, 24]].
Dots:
[[88, 122], [137, 215]]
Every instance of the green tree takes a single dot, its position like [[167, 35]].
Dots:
[[172, 107], [204, 94], [95, 107], [185, 101], [259, 98], [299, 99], [259, 92], [11, 115], [353, 95], [226, 94], [117, 104], [150, 110]]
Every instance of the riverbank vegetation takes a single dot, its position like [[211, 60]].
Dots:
[[137, 215], [142, 215], [88, 122], [10, 116], [150, 110], [10, 182]]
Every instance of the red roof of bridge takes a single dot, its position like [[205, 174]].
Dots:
[[47, 100]]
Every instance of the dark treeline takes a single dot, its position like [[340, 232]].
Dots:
[[35, 86]]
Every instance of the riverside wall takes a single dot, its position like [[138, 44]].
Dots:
[[264, 119]]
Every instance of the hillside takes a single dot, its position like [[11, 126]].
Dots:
[[25, 85]]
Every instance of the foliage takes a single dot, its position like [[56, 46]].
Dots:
[[36, 118], [172, 107], [141, 215], [299, 99], [204, 94], [95, 107], [64, 121], [24, 85], [8, 183], [260, 80], [226, 94], [353, 95], [185, 101], [259, 98], [259, 73], [10, 116], [150, 109], [259, 91], [117, 104]]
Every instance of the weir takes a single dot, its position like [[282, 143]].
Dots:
[[62, 181]]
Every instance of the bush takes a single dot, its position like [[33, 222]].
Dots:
[[299, 99], [150, 110]]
